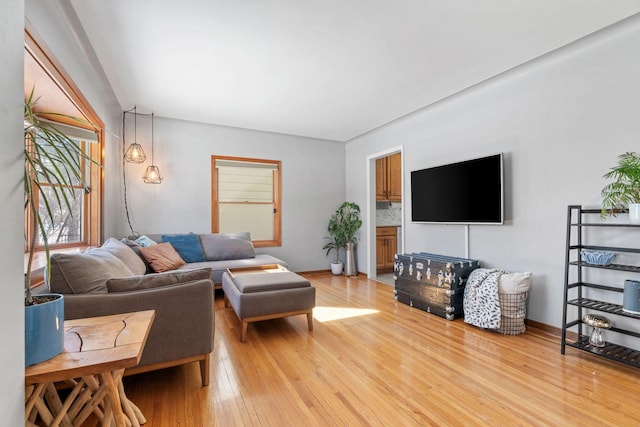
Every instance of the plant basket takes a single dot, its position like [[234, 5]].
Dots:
[[513, 309]]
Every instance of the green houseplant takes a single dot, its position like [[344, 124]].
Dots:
[[624, 191], [49, 157], [343, 226]]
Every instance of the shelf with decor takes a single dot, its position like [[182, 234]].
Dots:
[[576, 290]]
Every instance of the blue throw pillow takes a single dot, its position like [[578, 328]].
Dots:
[[187, 245]]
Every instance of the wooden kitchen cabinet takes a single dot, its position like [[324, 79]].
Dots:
[[389, 178], [386, 245]]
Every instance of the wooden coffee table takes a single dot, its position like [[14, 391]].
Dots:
[[96, 352]]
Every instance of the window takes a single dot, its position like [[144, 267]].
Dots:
[[246, 197], [68, 223], [82, 224]]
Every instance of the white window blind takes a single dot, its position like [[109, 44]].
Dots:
[[246, 192]]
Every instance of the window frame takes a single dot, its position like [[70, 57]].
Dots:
[[277, 198], [85, 146], [66, 91]]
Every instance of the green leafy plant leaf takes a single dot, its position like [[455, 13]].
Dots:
[[343, 227], [49, 156], [625, 188]]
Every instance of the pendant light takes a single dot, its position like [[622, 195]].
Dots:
[[135, 153], [152, 174]]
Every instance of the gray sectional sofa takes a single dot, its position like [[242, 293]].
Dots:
[[222, 251], [114, 279]]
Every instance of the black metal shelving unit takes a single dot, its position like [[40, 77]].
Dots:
[[573, 291]]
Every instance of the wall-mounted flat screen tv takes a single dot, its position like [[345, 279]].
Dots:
[[469, 192]]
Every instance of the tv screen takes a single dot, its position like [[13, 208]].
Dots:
[[469, 192]]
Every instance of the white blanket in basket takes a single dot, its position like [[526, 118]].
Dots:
[[481, 302]]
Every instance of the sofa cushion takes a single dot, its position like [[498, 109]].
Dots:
[[84, 273], [149, 281], [187, 245], [219, 247], [514, 283], [136, 248], [162, 257], [145, 241], [264, 282], [124, 253]]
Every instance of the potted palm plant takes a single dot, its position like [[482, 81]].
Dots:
[[624, 191], [49, 156], [343, 227], [335, 243]]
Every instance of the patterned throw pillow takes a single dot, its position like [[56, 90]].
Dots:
[[145, 242]]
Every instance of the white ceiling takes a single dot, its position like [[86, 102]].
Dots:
[[332, 69]]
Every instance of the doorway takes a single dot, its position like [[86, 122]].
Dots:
[[385, 199]]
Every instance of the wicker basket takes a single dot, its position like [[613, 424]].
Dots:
[[513, 309]]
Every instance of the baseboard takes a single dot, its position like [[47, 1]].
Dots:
[[315, 272], [203, 359], [551, 330], [312, 272]]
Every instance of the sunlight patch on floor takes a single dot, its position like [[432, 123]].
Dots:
[[327, 314]]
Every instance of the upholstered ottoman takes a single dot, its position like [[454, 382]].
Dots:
[[267, 292]]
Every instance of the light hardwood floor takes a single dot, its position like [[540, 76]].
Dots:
[[373, 361]]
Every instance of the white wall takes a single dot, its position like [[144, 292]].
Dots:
[[313, 177], [561, 121], [11, 190]]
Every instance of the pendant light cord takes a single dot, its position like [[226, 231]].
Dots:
[[135, 113], [152, 163], [124, 170]]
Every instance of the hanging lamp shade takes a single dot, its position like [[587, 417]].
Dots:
[[152, 175], [135, 154]]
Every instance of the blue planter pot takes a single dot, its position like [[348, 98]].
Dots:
[[43, 329]]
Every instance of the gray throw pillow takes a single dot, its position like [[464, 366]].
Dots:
[[136, 248], [219, 247], [157, 280], [84, 273], [123, 252]]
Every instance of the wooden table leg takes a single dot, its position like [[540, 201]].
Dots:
[[310, 320], [133, 412], [35, 405], [243, 333], [91, 400], [113, 398]]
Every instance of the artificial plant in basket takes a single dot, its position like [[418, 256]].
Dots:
[[49, 156]]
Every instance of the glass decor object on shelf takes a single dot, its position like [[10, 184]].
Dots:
[[597, 257], [631, 297], [598, 323]]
